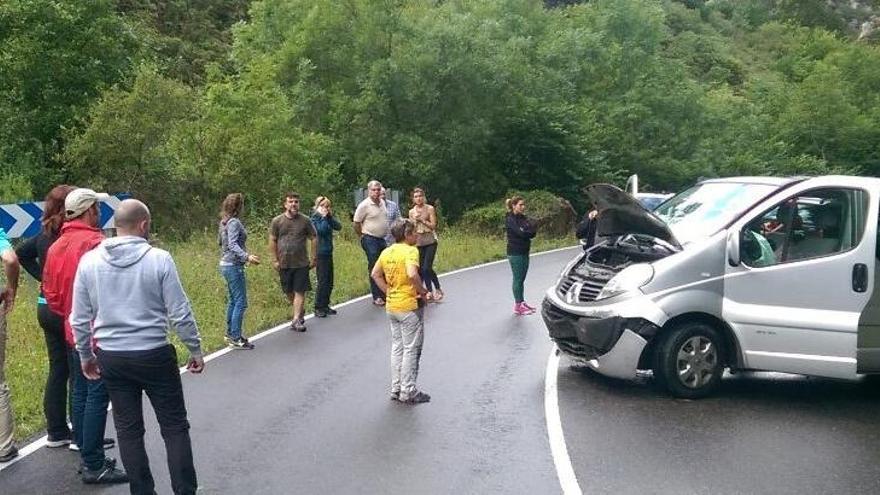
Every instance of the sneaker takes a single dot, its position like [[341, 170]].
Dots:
[[419, 398], [61, 442], [227, 339], [321, 313], [12, 454], [379, 301], [109, 443], [331, 311], [395, 395], [241, 343], [520, 309], [298, 325], [526, 305], [108, 473]]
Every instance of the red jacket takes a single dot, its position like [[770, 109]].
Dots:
[[59, 270]]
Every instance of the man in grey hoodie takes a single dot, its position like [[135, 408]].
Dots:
[[126, 293]]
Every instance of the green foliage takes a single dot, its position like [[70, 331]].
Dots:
[[14, 188], [181, 102], [55, 58], [554, 215], [123, 148], [184, 37]]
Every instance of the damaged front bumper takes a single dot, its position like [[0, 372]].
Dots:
[[608, 338]]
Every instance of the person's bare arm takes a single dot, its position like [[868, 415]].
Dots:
[[357, 228], [413, 272], [12, 270], [313, 261], [431, 222], [273, 249], [379, 277]]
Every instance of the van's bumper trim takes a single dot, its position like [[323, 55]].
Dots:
[[622, 360]]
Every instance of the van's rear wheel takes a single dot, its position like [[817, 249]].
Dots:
[[689, 361]]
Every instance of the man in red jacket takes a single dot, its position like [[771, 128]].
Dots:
[[80, 234]]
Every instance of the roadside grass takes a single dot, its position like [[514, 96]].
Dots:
[[197, 262]]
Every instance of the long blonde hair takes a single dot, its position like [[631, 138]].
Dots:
[[321, 199], [512, 201]]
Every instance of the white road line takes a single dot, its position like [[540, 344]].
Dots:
[[564, 470], [41, 442]]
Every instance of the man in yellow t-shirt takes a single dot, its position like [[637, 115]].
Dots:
[[397, 274]]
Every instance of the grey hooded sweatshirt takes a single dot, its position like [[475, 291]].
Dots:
[[126, 295]]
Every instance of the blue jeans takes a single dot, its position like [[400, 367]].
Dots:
[[373, 247], [89, 410], [237, 286]]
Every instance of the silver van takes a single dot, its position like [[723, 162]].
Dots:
[[749, 273]]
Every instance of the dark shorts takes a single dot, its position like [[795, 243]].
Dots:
[[295, 280]]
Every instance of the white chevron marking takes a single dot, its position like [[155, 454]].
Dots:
[[22, 218]]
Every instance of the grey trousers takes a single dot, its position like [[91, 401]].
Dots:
[[407, 335], [6, 421]]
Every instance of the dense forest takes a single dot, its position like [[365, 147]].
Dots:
[[181, 101]]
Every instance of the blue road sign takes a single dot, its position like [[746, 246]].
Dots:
[[23, 219]]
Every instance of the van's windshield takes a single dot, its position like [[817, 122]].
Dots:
[[702, 210]]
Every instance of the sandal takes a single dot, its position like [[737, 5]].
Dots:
[[438, 295], [379, 301]]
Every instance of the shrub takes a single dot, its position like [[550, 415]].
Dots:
[[554, 215]]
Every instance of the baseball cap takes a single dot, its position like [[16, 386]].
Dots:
[[79, 200]]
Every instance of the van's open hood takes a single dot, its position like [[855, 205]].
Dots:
[[621, 214]]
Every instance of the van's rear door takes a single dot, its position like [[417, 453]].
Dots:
[[868, 344]]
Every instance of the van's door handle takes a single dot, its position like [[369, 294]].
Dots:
[[860, 277]]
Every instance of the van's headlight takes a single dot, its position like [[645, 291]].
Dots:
[[630, 278]]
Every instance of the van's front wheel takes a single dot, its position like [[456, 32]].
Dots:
[[689, 360]]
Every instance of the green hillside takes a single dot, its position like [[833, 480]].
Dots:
[[181, 101]]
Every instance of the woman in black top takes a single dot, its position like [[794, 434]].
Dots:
[[32, 256], [520, 232]]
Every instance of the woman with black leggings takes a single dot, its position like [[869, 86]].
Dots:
[[32, 256], [425, 218]]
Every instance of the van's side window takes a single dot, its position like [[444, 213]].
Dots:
[[821, 222]]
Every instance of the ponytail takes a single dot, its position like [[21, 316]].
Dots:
[[512, 201]]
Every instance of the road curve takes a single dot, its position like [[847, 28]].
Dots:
[[309, 413]]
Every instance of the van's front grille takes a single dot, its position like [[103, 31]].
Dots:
[[586, 289]]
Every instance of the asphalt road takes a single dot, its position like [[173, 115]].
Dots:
[[309, 413]]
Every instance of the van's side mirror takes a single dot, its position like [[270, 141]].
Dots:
[[733, 256]]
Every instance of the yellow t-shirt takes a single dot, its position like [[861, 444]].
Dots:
[[401, 296]]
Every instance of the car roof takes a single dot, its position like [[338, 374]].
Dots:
[[770, 181], [783, 181]]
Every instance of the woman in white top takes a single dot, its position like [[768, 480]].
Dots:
[[425, 218]]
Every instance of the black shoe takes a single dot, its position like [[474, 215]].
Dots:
[[241, 343], [419, 398], [82, 467], [331, 311], [394, 396], [106, 474], [12, 454], [321, 313]]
